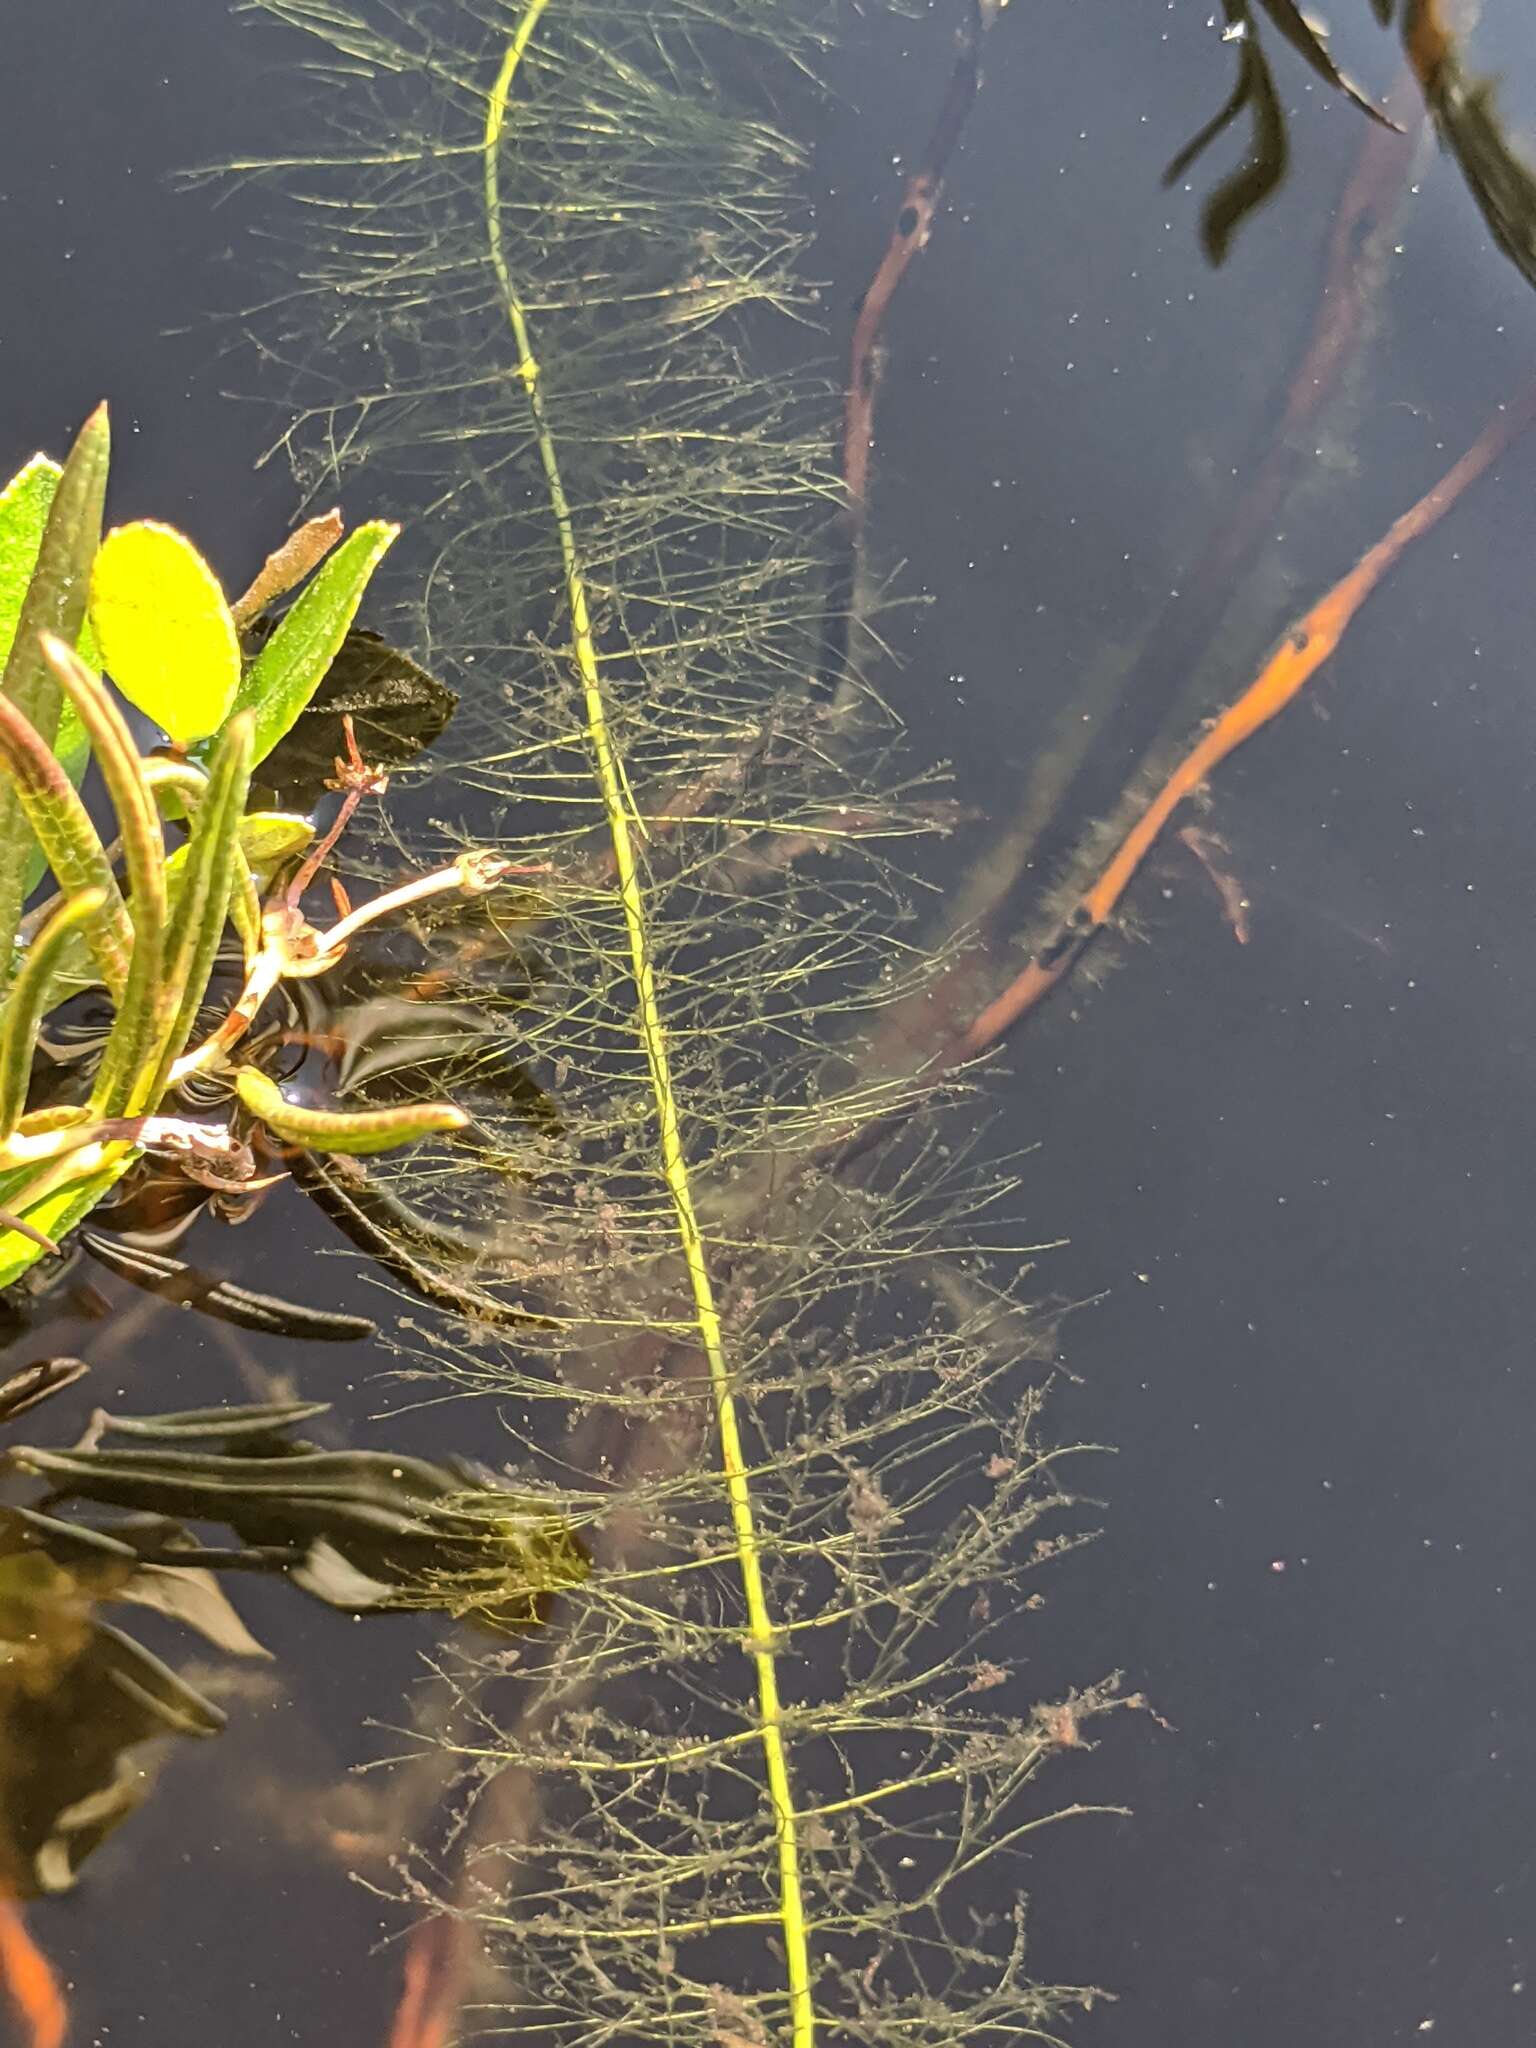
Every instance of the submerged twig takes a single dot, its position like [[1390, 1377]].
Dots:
[[916, 213], [1299, 653], [915, 216], [30, 1981], [1355, 267], [436, 1957]]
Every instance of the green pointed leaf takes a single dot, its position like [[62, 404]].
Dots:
[[72, 743], [22, 1012], [223, 1425], [23, 1390], [57, 1214], [202, 904], [341, 1130], [158, 1693], [24, 505], [166, 634], [52, 806], [53, 602], [126, 1060], [55, 597], [1310, 38], [290, 667]]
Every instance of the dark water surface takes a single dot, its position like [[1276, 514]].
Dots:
[[1296, 1177], [1299, 1172]]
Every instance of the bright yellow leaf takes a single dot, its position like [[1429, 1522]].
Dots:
[[164, 629]]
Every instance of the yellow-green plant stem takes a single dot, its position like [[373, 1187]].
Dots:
[[761, 1636]]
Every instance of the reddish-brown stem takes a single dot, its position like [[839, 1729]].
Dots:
[[1352, 274], [437, 1958], [321, 852], [29, 1981], [913, 225], [1299, 654], [354, 776]]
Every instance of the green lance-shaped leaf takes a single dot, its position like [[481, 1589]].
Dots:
[[290, 667], [299, 1491], [20, 1391], [72, 742], [54, 602], [245, 907], [53, 809], [226, 1302], [166, 634], [202, 901], [122, 769], [55, 597], [163, 1699], [24, 508], [58, 1212], [244, 898], [371, 1529], [264, 839], [341, 1130], [223, 1425], [128, 1059], [72, 750], [176, 786], [27, 999], [25, 503]]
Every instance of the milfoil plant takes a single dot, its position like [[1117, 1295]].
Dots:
[[142, 919]]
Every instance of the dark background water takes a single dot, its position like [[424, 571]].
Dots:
[[1301, 1171], [1296, 1177]]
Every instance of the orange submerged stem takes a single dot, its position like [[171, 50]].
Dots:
[[437, 1955], [29, 1981], [1299, 654]]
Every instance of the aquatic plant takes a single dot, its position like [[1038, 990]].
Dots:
[[1461, 105], [79, 1696], [771, 1774], [361, 1531], [144, 602]]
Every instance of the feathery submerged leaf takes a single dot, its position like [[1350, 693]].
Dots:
[[810, 1486]]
